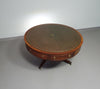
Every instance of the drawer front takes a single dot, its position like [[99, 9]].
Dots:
[[53, 57]]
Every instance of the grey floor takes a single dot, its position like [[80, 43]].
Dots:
[[19, 69]]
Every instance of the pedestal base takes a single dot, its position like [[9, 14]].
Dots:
[[43, 62]]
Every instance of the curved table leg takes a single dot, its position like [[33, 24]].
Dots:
[[67, 61], [42, 64]]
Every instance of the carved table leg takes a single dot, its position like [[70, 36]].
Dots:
[[67, 61], [42, 64]]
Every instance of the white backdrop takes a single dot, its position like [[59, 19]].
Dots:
[[16, 16]]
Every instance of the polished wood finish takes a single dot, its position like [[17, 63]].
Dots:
[[53, 42]]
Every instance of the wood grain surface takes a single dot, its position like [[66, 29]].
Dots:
[[53, 41]]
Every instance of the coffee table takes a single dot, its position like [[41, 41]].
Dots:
[[55, 42]]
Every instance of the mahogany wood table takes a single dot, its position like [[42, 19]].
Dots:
[[53, 42]]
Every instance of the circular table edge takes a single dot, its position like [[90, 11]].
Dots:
[[55, 56]]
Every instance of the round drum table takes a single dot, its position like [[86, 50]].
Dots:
[[53, 42]]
